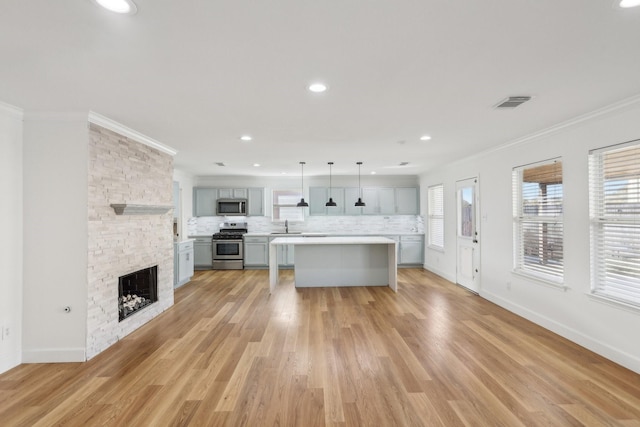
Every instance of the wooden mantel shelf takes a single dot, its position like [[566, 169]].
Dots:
[[133, 209]]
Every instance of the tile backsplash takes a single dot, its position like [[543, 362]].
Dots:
[[364, 224]]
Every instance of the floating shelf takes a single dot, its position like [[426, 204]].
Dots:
[[131, 209]]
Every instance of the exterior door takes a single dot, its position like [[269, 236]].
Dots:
[[467, 242]]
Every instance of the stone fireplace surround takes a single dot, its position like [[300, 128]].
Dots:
[[122, 170]]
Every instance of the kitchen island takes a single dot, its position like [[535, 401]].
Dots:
[[339, 261]]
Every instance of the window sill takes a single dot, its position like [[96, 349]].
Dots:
[[627, 306], [436, 248], [541, 280]]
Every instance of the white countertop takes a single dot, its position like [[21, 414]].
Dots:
[[333, 240], [177, 242], [331, 234]]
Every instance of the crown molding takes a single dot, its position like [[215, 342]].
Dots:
[[629, 102], [15, 112], [611, 108], [114, 126]]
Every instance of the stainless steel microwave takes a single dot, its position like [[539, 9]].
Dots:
[[230, 207]]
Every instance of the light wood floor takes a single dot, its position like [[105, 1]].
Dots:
[[230, 354]]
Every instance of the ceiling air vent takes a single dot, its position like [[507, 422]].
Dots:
[[513, 101], [403, 163], [220, 164]]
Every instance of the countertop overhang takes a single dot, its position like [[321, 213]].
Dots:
[[342, 240]]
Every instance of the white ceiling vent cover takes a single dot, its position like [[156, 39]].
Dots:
[[512, 101]]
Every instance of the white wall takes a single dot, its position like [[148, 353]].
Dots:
[[186, 182], [11, 258], [608, 329], [55, 237]]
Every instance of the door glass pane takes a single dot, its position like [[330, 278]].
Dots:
[[466, 212]]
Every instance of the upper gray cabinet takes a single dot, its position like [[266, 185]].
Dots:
[[319, 196], [204, 199], [378, 200], [407, 201], [232, 193], [255, 198]]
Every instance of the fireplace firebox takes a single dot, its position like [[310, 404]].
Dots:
[[137, 290]]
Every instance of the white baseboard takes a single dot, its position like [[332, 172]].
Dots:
[[440, 273], [54, 355], [8, 363], [618, 356]]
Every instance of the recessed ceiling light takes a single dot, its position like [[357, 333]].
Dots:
[[317, 87], [246, 138], [425, 138], [629, 3], [119, 6], [373, 172], [256, 165], [283, 173]]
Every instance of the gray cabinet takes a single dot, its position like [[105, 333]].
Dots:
[[203, 253], [256, 251], [204, 201], [232, 193], [255, 201], [317, 198], [351, 195], [183, 262], [407, 201], [285, 255], [345, 198], [379, 201], [411, 250]]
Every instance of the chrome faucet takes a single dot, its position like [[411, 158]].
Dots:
[[286, 226]]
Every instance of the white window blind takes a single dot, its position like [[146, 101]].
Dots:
[[614, 179], [436, 216], [284, 206], [537, 219]]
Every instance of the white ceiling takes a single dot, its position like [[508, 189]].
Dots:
[[196, 75]]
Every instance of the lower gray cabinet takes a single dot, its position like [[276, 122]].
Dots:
[[285, 255], [256, 251], [203, 253], [411, 250], [183, 262]]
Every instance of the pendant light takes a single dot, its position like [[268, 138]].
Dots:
[[359, 203], [330, 202], [302, 203]]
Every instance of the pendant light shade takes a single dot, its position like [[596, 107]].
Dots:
[[359, 203], [302, 203], [330, 202]]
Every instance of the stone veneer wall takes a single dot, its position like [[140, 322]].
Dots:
[[122, 170]]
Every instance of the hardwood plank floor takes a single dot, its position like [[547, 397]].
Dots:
[[230, 354]]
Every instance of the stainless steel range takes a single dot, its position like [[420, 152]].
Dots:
[[227, 246]]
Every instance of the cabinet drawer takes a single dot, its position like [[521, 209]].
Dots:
[[411, 238], [185, 246], [256, 239]]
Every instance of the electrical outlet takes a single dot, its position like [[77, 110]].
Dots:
[[7, 332]]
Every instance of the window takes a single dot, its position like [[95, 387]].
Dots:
[[614, 205], [284, 206], [537, 220], [436, 216]]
